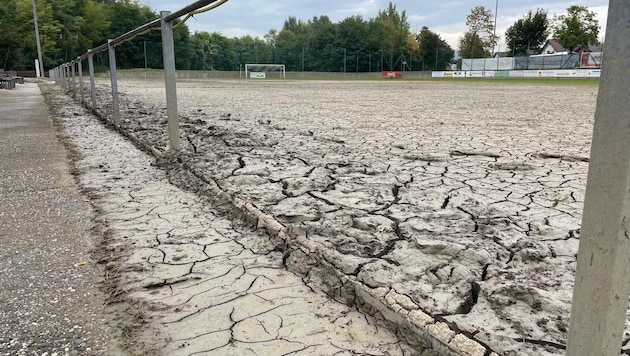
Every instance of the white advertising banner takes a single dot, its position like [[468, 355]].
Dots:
[[480, 74], [557, 73], [257, 75], [449, 74]]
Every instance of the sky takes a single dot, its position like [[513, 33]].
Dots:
[[445, 17]]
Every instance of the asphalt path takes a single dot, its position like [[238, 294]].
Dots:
[[50, 301]]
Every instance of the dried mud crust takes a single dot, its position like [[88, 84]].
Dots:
[[464, 200], [183, 279]]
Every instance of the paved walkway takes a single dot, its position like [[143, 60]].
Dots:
[[49, 299]]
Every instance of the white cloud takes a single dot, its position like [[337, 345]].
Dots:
[[446, 17]]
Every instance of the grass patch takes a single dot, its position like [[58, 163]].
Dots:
[[367, 77], [142, 70]]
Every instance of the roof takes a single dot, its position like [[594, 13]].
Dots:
[[591, 48], [557, 47]]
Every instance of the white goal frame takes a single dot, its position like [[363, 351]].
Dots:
[[264, 68]]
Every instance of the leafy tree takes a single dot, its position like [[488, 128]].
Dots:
[[434, 52], [24, 49], [271, 37], [181, 37], [578, 27], [252, 50], [392, 30], [10, 39], [321, 44], [479, 39], [225, 53], [290, 43], [351, 36], [96, 23], [213, 51], [529, 32], [472, 46], [128, 17], [414, 50]]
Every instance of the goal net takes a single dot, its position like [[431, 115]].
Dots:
[[264, 71]]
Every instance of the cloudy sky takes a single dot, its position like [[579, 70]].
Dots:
[[446, 17]]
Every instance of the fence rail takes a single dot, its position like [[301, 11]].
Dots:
[[66, 73]]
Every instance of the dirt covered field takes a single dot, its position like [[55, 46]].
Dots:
[[460, 200]]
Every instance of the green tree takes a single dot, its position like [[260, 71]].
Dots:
[[479, 39], [127, 16], [25, 49], [82, 24], [251, 50], [181, 37], [213, 51], [531, 31], [352, 33], [290, 43], [434, 52], [578, 27], [322, 34], [96, 23], [472, 46], [10, 39], [226, 56], [391, 30]]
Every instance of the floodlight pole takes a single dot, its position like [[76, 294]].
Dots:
[[602, 286], [39, 45], [494, 34]]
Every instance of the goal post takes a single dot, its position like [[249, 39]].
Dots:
[[265, 71]]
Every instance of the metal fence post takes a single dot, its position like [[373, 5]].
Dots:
[[80, 70], [170, 76], [61, 77], [74, 82], [66, 85], [67, 67], [602, 283], [114, 80], [92, 84]]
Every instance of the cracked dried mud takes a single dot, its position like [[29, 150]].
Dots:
[[458, 202], [186, 280]]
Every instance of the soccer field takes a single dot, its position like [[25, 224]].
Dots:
[[459, 199]]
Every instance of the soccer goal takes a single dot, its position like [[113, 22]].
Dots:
[[263, 71]]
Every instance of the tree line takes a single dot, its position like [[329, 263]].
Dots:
[[69, 27], [577, 28], [384, 42]]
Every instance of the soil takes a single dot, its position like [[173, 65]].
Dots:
[[183, 278], [465, 198]]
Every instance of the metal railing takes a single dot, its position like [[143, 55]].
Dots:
[[66, 73]]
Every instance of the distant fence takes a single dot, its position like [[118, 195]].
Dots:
[[582, 60], [289, 75]]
